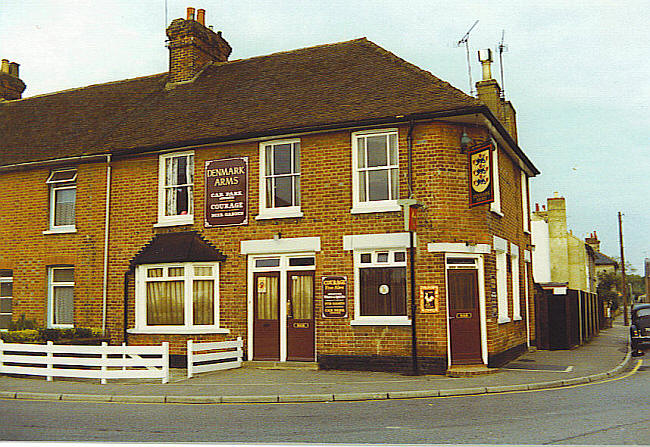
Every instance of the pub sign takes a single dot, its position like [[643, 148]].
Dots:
[[480, 174], [335, 297], [226, 192]]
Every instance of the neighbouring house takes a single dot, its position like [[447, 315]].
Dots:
[[564, 270], [328, 204], [604, 264]]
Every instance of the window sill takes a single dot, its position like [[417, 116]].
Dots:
[[517, 318], [502, 320], [60, 230], [175, 222], [381, 321], [179, 330], [497, 212], [61, 326], [383, 208], [279, 214]]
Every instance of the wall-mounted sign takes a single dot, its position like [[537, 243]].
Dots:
[[335, 297], [480, 174], [429, 300], [226, 192]]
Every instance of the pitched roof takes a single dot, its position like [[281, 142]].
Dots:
[[186, 246], [601, 259], [268, 95]]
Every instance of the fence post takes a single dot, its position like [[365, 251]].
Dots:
[[165, 361], [103, 367], [1, 353], [190, 358], [240, 350], [124, 356], [49, 360]]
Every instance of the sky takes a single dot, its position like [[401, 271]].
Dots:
[[576, 72]]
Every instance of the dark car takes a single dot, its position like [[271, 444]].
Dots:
[[640, 326]]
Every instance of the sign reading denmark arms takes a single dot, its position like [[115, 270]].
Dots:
[[480, 174], [226, 192]]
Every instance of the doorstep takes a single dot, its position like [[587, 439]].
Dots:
[[470, 370], [271, 364]]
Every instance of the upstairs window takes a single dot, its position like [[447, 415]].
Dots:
[[375, 165], [63, 197], [280, 179], [176, 189], [495, 206]]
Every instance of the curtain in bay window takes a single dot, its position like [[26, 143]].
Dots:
[[165, 303], [203, 301]]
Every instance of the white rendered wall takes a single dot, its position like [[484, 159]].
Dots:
[[542, 252]]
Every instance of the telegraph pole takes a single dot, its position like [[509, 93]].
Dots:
[[620, 238]]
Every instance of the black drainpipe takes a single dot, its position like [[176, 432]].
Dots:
[[414, 339], [126, 306]]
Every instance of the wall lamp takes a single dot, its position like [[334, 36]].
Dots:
[[465, 142]]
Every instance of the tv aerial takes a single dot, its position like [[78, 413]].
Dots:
[[465, 41], [502, 49]]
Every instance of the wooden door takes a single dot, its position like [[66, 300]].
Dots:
[[464, 318], [266, 316], [300, 316]]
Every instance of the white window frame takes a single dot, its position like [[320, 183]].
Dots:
[[50, 296], [54, 187], [188, 277], [495, 205], [7, 279], [179, 219], [524, 202], [375, 206], [516, 293], [501, 265], [266, 212]]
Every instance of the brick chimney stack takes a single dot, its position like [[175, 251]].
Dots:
[[192, 46], [489, 92], [11, 87], [593, 241]]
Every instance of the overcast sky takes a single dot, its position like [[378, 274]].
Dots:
[[576, 72]]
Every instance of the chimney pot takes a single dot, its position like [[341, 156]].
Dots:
[[537, 207], [190, 13], [13, 69], [200, 16], [485, 57]]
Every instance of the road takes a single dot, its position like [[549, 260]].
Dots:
[[616, 411]]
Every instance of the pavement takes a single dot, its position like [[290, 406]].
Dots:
[[606, 355]]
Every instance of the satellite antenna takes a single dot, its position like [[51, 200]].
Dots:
[[465, 40], [502, 49]]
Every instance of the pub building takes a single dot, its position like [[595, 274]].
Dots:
[[331, 204]]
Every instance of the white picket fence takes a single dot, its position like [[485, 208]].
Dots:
[[93, 362], [213, 356]]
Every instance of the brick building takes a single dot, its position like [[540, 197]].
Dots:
[[264, 198]]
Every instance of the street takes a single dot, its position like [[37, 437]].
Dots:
[[614, 411]]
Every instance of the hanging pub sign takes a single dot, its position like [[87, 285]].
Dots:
[[480, 174], [226, 192], [335, 297]]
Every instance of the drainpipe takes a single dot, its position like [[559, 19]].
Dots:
[[414, 339], [106, 232], [126, 306]]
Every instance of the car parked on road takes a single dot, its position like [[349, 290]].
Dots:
[[640, 326]]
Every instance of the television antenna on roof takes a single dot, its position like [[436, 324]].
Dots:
[[465, 41], [502, 49]]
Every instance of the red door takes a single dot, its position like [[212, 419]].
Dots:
[[464, 319], [300, 316], [266, 316]]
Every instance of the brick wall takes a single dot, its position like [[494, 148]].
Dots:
[[440, 176]]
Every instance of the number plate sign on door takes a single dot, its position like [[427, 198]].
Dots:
[[464, 315], [301, 325]]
